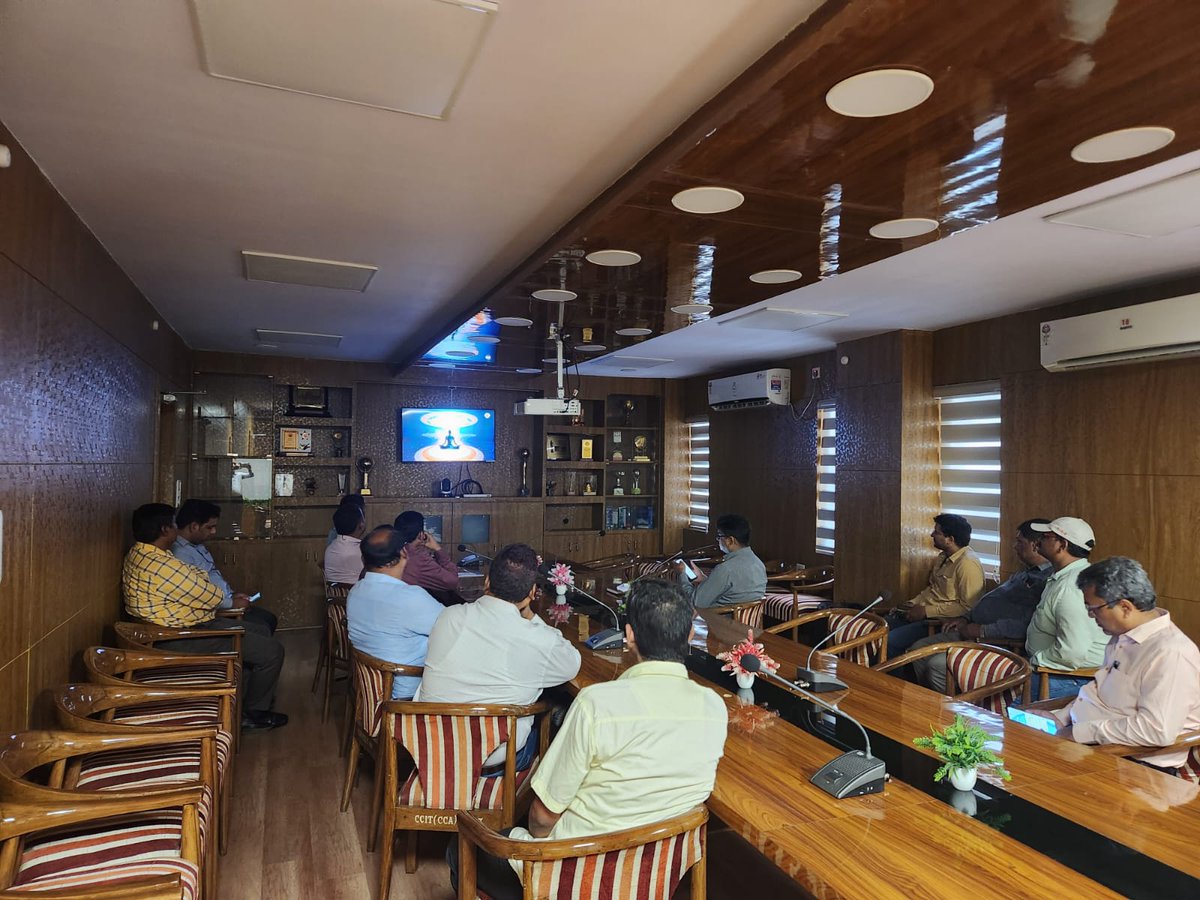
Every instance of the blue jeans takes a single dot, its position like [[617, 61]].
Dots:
[[1060, 685], [524, 756], [902, 636]]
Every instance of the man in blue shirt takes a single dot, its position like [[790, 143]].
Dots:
[[389, 619], [197, 524]]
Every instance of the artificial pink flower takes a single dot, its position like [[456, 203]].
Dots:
[[560, 573], [734, 654]]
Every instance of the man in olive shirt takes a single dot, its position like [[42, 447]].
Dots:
[[1061, 634], [955, 585], [741, 576]]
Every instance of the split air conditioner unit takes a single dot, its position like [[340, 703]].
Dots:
[[1164, 329], [770, 387]]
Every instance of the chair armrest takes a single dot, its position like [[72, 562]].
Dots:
[[1188, 740], [413, 708], [904, 659], [28, 750], [802, 619], [1073, 673], [1051, 704], [233, 613], [165, 888], [17, 818], [473, 829]]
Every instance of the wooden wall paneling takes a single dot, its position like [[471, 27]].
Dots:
[[920, 459], [14, 693], [673, 454], [17, 598], [294, 586]]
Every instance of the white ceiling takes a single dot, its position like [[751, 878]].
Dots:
[[1015, 263], [176, 172]]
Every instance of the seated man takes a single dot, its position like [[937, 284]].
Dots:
[[165, 591], [495, 650], [631, 752], [359, 502], [1148, 690], [955, 584], [197, 523], [740, 576], [429, 566], [1061, 634], [389, 619], [1001, 614], [343, 558]]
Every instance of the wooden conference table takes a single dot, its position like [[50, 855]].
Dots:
[[1084, 823]]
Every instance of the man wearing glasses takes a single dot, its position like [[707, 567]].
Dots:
[[741, 576], [1148, 690]]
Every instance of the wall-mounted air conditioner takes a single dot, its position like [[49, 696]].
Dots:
[[770, 387], [1164, 329]]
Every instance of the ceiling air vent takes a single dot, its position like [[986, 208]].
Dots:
[[267, 336], [323, 273]]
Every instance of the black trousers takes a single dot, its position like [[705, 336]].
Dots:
[[262, 657], [261, 616], [494, 876]]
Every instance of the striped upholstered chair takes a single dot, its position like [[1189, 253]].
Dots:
[[333, 591], [789, 594], [373, 682], [448, 744], [748, 613], [857, 639], [114, 709], [337, 650], [990, 677], [84, 845], [617, 866], [119, 765]]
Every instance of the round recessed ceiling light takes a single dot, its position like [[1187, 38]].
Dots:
[[634, 332], [514, 321], [613, 257], [554, 295], [691, 309], [590, 348], [880, 92], [894, 229], [483, 339], [708, 200], [525, 371], [461, 354], [775, 276], [1125, 143]]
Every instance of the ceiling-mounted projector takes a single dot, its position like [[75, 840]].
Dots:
[[548, 407]]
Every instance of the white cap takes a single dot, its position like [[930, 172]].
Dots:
[[1077, 531]]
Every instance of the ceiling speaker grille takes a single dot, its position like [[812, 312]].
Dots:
[[312, 339], [323, 273]]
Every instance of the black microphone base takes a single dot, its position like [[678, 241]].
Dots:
[[852, 774], [818, 682]]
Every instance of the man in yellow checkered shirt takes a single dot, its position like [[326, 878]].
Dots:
[[166, 591]]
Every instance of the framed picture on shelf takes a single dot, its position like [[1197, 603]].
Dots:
[[558, 446], [295, 441], [585, 448], [308, 401]]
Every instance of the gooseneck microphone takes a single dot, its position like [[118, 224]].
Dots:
[[474, 557], [822, 682], [852, 774], [609, 638]]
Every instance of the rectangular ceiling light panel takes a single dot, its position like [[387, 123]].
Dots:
[[279, 268], [408, 56], [312, 339], [772, 319], [634, 362], [1155, 210]]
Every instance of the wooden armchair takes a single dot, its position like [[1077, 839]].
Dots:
[[119, 765], [373, 682], [114, 709], [337, 650], [333, 591], [790, 592], [150, 840], [667, 849], [990, 677], [446, 776], [1044, 680], [605, 563], [748, 612], [111, 665], [857, 640]]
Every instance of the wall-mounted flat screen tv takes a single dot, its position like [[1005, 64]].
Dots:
[[446, 435], [458, 346]]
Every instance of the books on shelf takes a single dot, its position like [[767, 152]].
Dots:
[[623, 518]]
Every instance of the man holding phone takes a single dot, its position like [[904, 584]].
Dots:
[[429, 566], [741, 575]]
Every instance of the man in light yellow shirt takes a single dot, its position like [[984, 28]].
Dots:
[[630, 752], [955, 585]]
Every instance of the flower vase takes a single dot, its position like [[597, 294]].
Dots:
[[963, 779], [560, 591], [745, 680]]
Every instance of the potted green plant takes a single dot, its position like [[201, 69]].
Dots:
[[962, 748]]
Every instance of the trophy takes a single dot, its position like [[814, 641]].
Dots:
[[339, 443], [629, 407], [524, 491], [618, 488], [341, 476], [637, 482], [639, 449], [364, 466]]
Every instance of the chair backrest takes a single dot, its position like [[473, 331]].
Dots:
[[854, 631], [335, 590], [140, 635], [990, 675], [339, 629], [813, 579], [1191, 766], [748, 612], [373, 682], [448, 754]]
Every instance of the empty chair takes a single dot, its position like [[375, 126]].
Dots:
[[806, 589], [990, 677], [857, 636]]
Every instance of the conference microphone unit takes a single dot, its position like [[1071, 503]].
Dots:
[[473, 557], [852, 774], [823, 682], [609, 637]]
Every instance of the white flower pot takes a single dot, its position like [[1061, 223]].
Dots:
[[561, 591], [745, 680], [963, 779]]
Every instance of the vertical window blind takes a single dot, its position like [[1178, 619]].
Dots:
[[826, 475], [970, 462], [698, 485]]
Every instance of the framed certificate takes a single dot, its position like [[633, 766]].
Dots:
[[296, 441]]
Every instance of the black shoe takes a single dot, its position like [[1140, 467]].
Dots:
[[263, 720]]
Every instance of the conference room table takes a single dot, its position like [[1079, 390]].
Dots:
[[1072, 822]]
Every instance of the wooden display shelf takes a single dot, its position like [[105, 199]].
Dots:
[[644, 495], [577, 530], [289, 461], [567, 500], [313, 422], [630, 462], [308, 501], [631, 428], [573, 464], [575, 429]]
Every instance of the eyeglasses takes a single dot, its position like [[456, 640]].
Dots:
[[1092, 610], [719, 535]]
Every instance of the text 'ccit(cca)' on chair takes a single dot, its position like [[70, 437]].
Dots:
[[373, 682], [987, 676], [448, 744], [644, 863], [860, 637]]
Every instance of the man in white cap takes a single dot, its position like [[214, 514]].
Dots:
[[1061, 634]]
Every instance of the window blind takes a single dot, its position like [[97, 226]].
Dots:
[[698, 484], [826, 475], [970, 462]]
